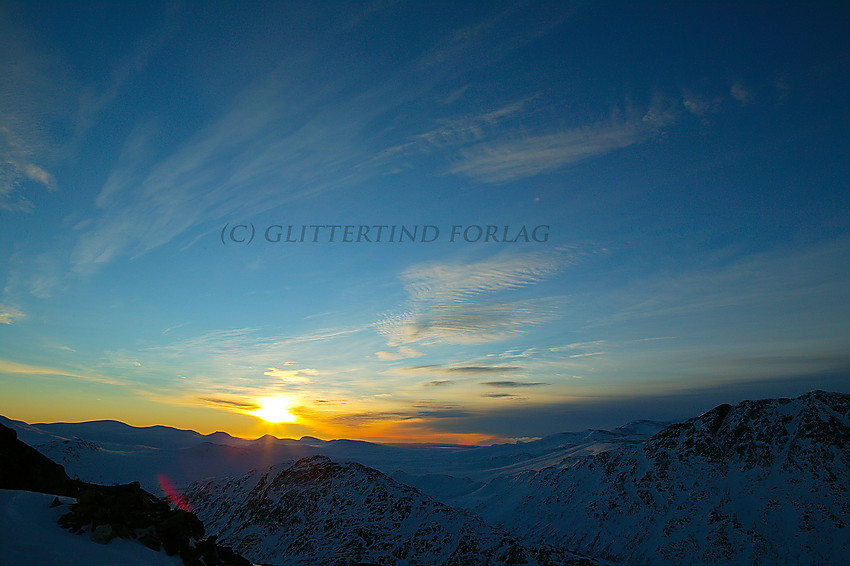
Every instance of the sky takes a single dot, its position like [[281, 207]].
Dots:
[[399, 221]]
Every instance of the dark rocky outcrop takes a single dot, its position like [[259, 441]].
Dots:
[[128, 511], [108, 512], [24, 467]]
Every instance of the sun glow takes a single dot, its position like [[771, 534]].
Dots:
[[275, 410]]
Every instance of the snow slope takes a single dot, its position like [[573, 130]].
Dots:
[[764, 482], [321, 512], [29, 534]]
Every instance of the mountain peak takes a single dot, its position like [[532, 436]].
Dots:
[[763, 432], [318, 511]]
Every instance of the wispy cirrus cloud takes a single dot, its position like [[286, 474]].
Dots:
[[435, 410], [481, 370], [466, 130], [508, 143], [458, 303], [39, 275], [16, 368], [471, 323], [401, 353], [238, 364], [513, 383], [8, 315], [463, 369], [593, 345], [17, 172], [269, 148], [292, 376], [699, 104], [45, 112], [32, 98], [740, 93], [230, 404], [514, 156], [806, 280], [288, 136], [442, 283]]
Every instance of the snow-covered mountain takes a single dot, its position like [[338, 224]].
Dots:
[[764, 482], [322, 512], [113, 452]]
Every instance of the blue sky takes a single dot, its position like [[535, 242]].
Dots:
[[685, 166]]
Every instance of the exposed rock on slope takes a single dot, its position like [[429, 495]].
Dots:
[[23, 467], [128, 511], [107, 512], [321, 512]]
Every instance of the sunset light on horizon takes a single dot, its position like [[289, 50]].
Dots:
[[473, 223]]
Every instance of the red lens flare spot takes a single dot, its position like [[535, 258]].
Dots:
[[173, 495]]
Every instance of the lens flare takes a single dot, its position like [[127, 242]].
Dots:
[[173, 495]]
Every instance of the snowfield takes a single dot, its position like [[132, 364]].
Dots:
[[761, 482], [29, 535]]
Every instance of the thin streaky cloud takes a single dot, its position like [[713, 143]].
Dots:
[[449, 282], [593, 345], [401, 353], [8, 315], [292, 376], [803, 275], [444, 413], [231, 404], [246, 340], [453, 133], [93, 105], [740, 93], [513, 158], [364, 418], [464, 369], [18, 172], [7, 366], [267, 140], [513, 383], [482, 369], [469, 323], [36, 95], [453, 49], [426, 368], [445, 300], [264, 140], [175, 327], [242, 150]]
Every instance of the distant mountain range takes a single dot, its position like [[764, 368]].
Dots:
[[763, 482]]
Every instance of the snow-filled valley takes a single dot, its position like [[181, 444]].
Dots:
[[762, 482]]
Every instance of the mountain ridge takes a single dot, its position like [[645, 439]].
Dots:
[[320, 511], [763, 480]]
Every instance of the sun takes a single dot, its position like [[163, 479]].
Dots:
[[275, 410]]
